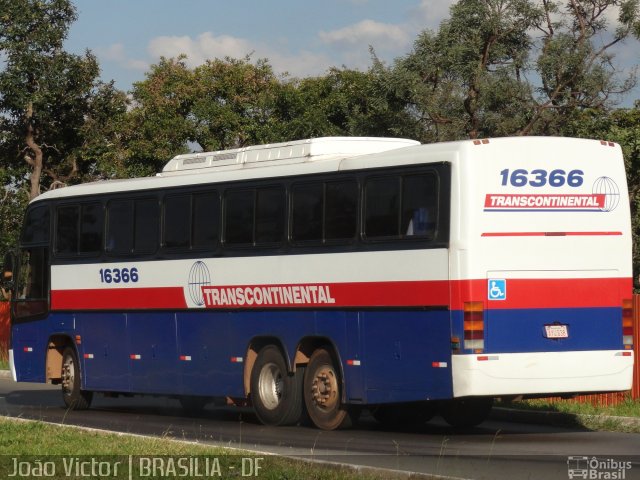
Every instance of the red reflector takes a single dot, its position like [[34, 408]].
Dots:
[[483, 358], [236, 359], [626, 354]]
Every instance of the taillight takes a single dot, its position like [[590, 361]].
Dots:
[[627, 324], [474, 326]]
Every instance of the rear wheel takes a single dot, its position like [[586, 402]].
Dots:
[[323, 393], [74, 397], [466, 412], [276, 394]]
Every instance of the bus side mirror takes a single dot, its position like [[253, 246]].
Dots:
[[6, 281]]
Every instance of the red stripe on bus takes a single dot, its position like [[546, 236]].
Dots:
[[550, 234], [520, 293], [546, 293], [118, 298]]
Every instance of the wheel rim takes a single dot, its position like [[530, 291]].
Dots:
[[325, 388], [270, 386], [68, 375]]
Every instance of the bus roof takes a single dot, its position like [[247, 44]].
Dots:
[[298, 151], [298, 157]]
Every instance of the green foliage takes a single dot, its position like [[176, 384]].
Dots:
[[233, 103], [50, 100], [459, 79], [623, 127], [472, 78]]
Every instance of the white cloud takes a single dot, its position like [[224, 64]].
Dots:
[[116, 53], [368, 32], [430, 13], [198, 50], [209, 46]]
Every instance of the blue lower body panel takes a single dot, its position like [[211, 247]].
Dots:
[[386, 356]]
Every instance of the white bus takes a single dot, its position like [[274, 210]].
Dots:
[[335, 274]]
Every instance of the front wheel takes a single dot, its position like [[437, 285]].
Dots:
[[276, 394], [323, 393], [74, 397]]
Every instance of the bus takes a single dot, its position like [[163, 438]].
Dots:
[[315, 279]]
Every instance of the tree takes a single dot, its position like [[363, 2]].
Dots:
[[160, 123], [351, 103], [46, 94], [219, 105], [575, 63], [621, 126], [514, 67], [475, 60]]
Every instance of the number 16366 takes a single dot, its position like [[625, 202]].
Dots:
[[119, 275]]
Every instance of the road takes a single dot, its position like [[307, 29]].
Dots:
[[495, 450]]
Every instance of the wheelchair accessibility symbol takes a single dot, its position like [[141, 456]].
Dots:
[[497, 289]]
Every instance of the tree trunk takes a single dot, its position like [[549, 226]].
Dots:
[[35, 160]]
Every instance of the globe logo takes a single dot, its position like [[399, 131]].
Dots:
[[198, 276], [607, 187]]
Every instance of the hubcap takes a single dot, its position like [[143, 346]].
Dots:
[[325, 388], [270, 386], [68, 374]]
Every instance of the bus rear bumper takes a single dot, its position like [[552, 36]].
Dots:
[[541, 372]]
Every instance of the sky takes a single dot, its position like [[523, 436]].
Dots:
[[300, 37]]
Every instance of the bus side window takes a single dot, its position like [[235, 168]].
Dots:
[[32, 283], [341, 210], [382, 207], [419, 205], [205, 227], [120, 226], [91, 228], [306, 212]]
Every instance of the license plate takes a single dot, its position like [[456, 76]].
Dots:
[[556, 331]]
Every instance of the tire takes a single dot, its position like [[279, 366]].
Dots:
[[276, 394], [404, 415], [323, 393], [466, 412], [74, 397]]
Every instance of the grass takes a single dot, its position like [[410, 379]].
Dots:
[[30, 442], [590, 415], [627, 408]]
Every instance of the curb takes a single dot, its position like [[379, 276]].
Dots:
[[558, 418]]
